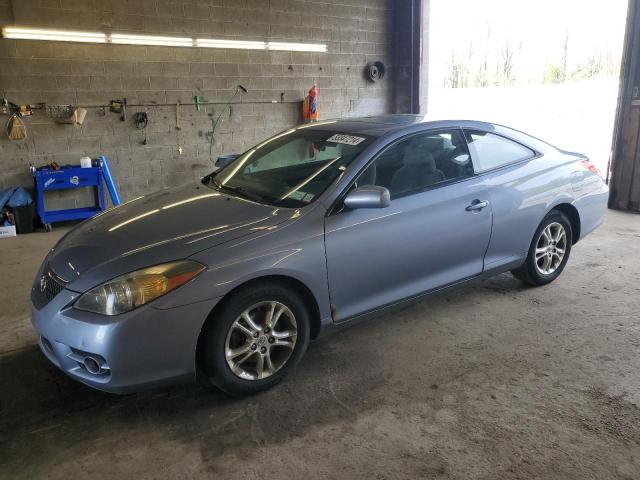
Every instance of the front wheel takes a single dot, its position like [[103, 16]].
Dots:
[[549, 250], [255, 340]]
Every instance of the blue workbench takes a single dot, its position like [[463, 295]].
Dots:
[[47, 180]]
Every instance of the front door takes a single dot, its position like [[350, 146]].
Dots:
[[434, 233]]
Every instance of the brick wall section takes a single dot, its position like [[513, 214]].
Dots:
[[355, 31]]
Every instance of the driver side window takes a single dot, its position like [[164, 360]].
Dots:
[[419, 162]]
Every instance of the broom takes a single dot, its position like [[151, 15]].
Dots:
[[16, 129]]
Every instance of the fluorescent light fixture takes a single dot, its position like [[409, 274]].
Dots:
[[251, 45], [242, 44], [153, 40], [126, 39], [297, 47], [53, 35]]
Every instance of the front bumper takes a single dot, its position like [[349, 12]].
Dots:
[[144, 348]]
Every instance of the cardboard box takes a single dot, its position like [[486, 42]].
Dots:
[[8, 231]]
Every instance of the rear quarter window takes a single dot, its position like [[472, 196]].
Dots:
[[491, 151]]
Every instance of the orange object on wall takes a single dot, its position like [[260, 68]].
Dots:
[[310, 106]]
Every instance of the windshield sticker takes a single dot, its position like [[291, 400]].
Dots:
[[345, 139], [297, 195], [301, 196]]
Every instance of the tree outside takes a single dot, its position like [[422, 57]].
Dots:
[[496, 42], [550, 68]]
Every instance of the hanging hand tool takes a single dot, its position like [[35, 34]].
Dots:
[[123, 118], [178, 126], [25, 111], [197, 100], [115, 106], [141, 120]]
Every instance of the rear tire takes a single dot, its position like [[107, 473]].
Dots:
[[549, 251], [242, 352]]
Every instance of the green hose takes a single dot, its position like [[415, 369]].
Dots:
[[214, 125]]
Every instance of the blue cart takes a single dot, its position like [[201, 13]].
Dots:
[[47, 179]]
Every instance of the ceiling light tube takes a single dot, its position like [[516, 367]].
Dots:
[[130, 39], [297, 47], [126, 39], [241, 44], [53, 35]]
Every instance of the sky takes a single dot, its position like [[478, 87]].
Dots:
[[535, 32]]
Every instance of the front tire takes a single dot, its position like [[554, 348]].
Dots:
[[549, 251], [255, 339]]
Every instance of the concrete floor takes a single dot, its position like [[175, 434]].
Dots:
[[493, 381]]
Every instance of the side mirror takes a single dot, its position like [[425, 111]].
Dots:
[[224, 160], [368, 196]]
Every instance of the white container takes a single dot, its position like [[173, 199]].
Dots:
[[85, 162], [8, 231]]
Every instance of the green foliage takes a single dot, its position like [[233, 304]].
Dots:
[[498, 65], [593, 67], [553, 74]]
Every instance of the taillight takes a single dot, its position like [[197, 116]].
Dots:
[[591, 167]]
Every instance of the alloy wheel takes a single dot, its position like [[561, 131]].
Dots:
[[261, 340], [550, 248]]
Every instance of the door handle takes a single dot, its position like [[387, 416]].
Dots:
[[477, 205]]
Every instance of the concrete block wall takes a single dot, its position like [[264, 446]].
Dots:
[[90, 75]]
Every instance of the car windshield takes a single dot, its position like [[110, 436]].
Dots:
[[291, 169]]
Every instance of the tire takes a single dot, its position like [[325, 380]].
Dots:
[[533, 271], [229, 331]]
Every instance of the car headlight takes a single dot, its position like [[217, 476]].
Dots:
[[132, 290]]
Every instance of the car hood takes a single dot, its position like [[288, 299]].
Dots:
[[168, 225]]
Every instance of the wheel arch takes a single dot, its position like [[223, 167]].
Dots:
[[574, 218], [293, 283]]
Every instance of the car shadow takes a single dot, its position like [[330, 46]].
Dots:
[[43, 410]]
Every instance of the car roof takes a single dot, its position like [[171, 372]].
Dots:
[[380, 125]]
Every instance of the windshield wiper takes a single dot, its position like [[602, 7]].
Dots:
[[239, 191]]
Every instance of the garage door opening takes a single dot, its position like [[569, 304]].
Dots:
[[548, 68]]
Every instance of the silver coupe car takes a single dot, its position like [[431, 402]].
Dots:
[[228, 279]]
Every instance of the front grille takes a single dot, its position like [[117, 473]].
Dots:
[[46, 288]]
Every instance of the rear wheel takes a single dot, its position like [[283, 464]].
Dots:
[[255, 340], [549, 251]]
